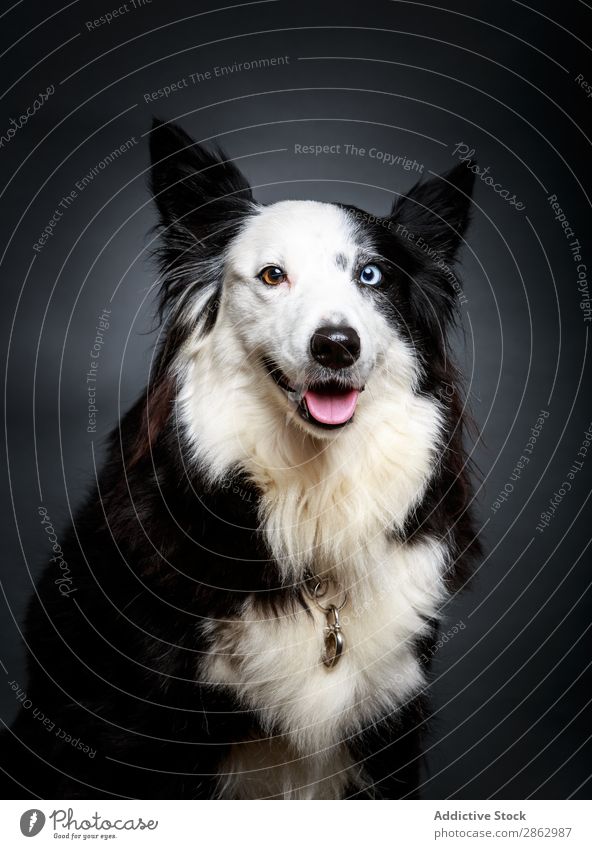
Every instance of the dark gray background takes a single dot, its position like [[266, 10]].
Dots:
[[512, 687]]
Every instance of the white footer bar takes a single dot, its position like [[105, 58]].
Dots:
[[294, 825]]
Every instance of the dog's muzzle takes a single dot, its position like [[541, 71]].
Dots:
[[329, 401]]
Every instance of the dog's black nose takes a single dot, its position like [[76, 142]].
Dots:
[[335, 347]]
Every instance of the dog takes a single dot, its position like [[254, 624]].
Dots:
[[257, 576]]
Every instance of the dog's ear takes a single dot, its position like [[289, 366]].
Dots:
[[203, 199], [438, 210], [193, 187]]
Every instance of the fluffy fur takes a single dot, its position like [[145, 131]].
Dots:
[[190, 655]]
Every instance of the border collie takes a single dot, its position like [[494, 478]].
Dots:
[[259, 570]]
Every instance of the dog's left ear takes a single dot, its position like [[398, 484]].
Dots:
[[438, 210], [194, 188]]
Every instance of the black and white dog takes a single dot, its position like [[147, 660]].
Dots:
[[259, 571]]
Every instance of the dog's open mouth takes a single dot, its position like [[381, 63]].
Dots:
[[328, 403]]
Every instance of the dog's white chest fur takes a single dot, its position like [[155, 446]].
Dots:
[[273, 665]]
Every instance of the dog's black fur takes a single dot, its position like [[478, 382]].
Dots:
[[116, 664]]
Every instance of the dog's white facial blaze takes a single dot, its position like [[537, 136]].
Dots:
[[318, 246]]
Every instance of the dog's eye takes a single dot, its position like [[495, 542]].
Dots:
[[272, 275], [370, 275]]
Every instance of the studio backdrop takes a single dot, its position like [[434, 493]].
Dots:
[[340, 102]]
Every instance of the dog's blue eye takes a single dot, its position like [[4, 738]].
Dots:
[[272, 275], [370, 275]]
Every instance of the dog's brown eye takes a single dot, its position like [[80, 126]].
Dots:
[[272, 275]]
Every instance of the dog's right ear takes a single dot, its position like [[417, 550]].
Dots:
[[193, 187]]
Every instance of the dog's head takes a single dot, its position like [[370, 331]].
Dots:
[[322, 300]]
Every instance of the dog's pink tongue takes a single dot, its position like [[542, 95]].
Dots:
[[333, 409]]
